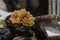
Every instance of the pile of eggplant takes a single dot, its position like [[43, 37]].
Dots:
[[16, 31]]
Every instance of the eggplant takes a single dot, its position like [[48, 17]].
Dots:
[[20, 30], [5, 34]]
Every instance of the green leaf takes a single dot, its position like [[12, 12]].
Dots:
[[2, 24]]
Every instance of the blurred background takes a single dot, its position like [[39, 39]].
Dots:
[[54, 7], [36, 7]]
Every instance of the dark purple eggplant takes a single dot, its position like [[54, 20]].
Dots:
[[18, 29], [5, 34], [21, 30]]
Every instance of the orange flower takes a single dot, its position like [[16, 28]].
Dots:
[[28, 19], [15, 17], [22, 16], [28, 22]]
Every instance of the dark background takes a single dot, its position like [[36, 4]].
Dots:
[[42, 9]]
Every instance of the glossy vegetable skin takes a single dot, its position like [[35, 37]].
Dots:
[[39, 31]]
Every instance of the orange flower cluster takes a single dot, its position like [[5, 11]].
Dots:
[[22, 16]]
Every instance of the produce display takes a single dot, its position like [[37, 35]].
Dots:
[[22, 25]]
